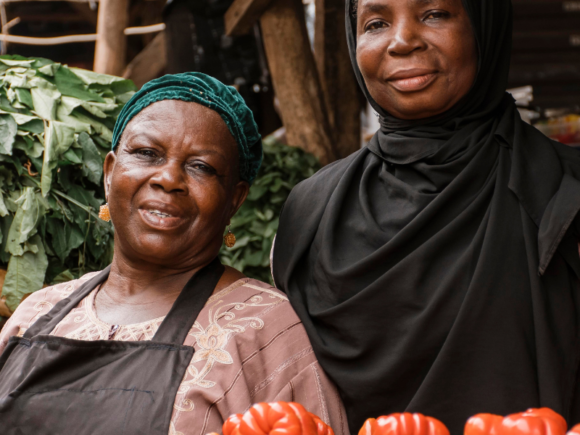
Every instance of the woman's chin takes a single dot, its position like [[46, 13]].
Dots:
[[414, 106]]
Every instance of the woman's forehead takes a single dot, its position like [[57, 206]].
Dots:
[[169, 119], [376, 5]]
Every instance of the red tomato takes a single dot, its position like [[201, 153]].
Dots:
[[403, 424], [540, 421], [280, 418]]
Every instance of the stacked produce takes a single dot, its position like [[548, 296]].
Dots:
[[56, 128], [292, 419]]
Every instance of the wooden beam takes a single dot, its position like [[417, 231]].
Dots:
[[242, 15], [295, 79], [71, 39], [72, 1], [57, 40], [111, 48], [339, 84], [149, 63]]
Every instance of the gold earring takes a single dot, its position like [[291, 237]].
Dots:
[[104, 213], [230, 238]]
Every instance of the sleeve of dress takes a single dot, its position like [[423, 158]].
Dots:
[[10, 328], [313, 390]]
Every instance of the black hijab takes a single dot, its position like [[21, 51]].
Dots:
[[437, 270]]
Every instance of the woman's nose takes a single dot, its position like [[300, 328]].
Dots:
[[171, 178], [405, 38]]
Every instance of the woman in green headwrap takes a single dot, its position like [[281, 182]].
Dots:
[[166, 339]]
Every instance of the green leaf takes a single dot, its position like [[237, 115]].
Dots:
[[25, 97], [93, 78], [5, 227], [49, 69], [99, 126], [63, 277], [63, 115], [32, 126], [3, 209], [65, 237], [25, 274], [69, 84], [92, 161], [58, 139], [24, 63], [46, 97], [72, 156], [8, 130], [31, 147], [30, 211]]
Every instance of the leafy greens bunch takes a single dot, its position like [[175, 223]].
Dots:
[[256, 222], [56, 128]]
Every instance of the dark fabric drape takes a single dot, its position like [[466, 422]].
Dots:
[[437, 269]]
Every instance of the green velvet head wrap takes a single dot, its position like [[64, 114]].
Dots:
[[209, 92]]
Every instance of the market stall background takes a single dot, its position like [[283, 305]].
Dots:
[[284, 56]]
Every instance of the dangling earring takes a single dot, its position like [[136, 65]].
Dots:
[[230, 238], [104, 213]]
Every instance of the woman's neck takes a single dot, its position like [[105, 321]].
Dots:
[[136, 293]]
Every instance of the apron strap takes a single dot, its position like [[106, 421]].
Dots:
[[189, 303], [45, 324]]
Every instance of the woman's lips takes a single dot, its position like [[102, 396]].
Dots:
[[160, 221], [414, 83]]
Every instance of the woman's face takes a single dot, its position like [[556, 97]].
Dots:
[[418, 57], [173, 185]]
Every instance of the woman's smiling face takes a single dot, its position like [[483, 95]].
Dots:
[[418, 57], [173, 184]]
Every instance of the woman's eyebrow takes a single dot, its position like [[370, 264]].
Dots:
[[145, 135], [428, 2], [375, 7]]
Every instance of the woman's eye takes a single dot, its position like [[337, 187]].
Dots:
[[202, 167], [436, 15], [146, 153], [375, 25]]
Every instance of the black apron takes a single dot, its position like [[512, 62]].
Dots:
[[57, 386]]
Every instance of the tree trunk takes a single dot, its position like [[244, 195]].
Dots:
[[295, 79], [339, 84], [111, 48]]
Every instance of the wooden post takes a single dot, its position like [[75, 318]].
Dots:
[[338, 81], [111, 48], [149, 63], [4, 21], [296, 80]]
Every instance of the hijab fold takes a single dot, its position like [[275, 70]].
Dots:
[[436, 270]]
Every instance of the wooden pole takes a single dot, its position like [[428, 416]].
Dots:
[[295, 79], [338, 81], [4, 21], [111, 48], [149, 63]]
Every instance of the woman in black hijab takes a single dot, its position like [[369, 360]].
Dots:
[[437, 269]]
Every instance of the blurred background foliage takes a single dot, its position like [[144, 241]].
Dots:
[[256, 223]]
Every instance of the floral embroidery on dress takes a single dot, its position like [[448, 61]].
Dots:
[[212, 340]]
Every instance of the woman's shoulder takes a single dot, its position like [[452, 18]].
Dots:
[[38, 304], [252, 310], [253, 297]]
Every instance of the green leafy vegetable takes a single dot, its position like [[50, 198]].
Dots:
[[55, 129], [256, 222]]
